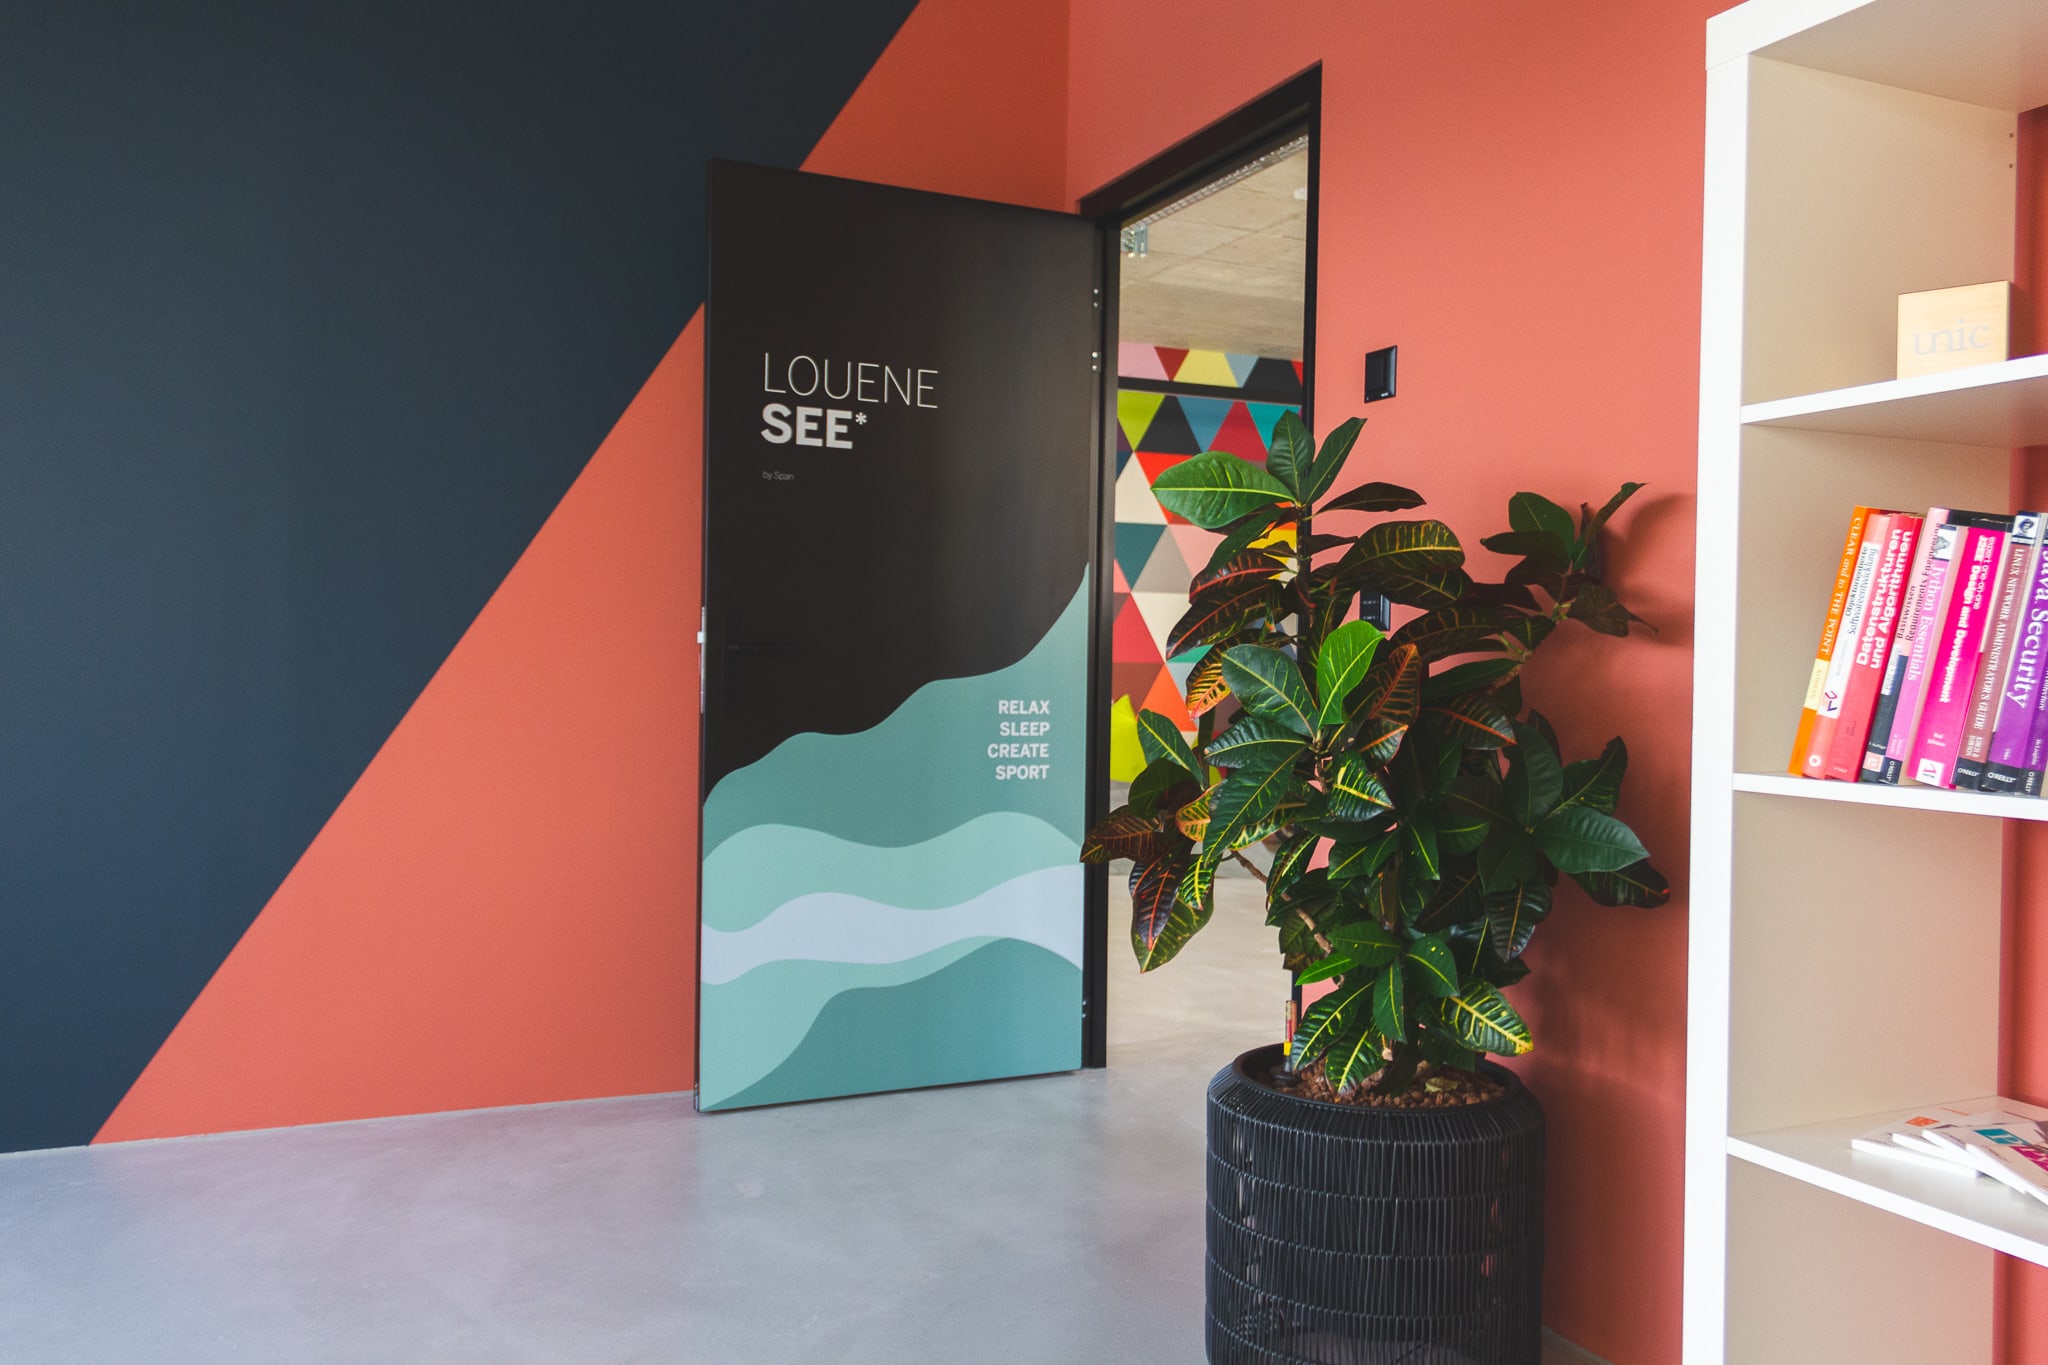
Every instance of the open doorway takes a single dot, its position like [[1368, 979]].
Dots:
[[1210, 330], [1210, 325]]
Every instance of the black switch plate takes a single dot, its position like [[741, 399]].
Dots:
[[1379, 373]]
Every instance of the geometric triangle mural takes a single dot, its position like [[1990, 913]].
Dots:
[[1157, 553]]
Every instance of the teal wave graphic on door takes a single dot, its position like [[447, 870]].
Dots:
[[902, 906]]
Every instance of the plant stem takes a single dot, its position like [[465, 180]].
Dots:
[[1302, 915], [1249, 865]]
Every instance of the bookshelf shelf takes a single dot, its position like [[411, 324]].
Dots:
[[1845, 940], [2003, 405], [1898, 798], [1980, 1211]]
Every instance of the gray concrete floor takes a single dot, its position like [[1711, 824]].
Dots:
[[1050, 1221]]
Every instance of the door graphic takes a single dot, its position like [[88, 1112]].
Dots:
[[901, 392]]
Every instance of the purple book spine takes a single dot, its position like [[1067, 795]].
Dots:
[[2018, 705]]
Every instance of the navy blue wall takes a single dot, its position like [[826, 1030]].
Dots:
[[308, 317]]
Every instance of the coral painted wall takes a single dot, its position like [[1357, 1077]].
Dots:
[[1512, 194], [502, 910]]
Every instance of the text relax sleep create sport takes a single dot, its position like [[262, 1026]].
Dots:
[[862, 382], [1022, 738]]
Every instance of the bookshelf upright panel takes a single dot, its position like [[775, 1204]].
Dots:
[[1845, 939]]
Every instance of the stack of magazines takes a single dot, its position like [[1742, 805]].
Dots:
[[2010, 1148]]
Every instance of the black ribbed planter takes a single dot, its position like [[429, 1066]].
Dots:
[[1346, 1235]]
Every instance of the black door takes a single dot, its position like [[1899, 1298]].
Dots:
[[900, 513]]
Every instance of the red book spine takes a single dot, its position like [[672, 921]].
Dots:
[[1873, 647], [1835, 685]]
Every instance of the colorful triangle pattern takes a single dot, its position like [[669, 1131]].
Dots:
[[1157, 553]]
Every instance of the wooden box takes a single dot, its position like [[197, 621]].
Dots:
[[1946, 329]]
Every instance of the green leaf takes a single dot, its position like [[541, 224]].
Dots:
[[1500, 595], [1636, 884], [1378, 739], [1214, 489], [1298, 947], [1591, 525], [1374, 497], [1353, 1057], [1507, 858], [1475, 720], [1401, 547], [1334, 965], [1193, 818], [1326, 1020], [1512, 916], [1535, 782], [1390, 1003], [1160, 924], [1466, 677], [1125, 834], [1162, 742], [1290, 455], [1217, 614], [1266, 683], [1481, 1018], [1336, 450], [1532, 513], [1451, 630], [1193, 892], [1247, 566], [1162, 788], [1434, 966], [1239, 537], [1597, 606], [1460, 828], [1288, 865], [1537, 547], [1438, 588], [1341, 666], [1356, 792], [1440, 1049], [1348, 861], [1596, 782], [1476, 795], [1245, 801], [1584, 840], [1529, 631], [1366, 943], [1392, 688], [1458, 899], [1254, 740], [1505, 974], [1420, 844]]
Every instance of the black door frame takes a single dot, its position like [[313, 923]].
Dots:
[[1281, 114]]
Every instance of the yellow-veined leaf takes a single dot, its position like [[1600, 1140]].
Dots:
[[1481, 1018], [1214, 489]]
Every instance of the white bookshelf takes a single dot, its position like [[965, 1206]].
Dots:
[[1978, 1210], [1901, 797], [1845, 940]]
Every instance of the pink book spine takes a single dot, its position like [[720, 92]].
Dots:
[[1952, 676], [1873, 646], [1934, 596]]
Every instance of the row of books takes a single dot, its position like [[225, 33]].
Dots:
[[2009, 1148], [1929, 667]]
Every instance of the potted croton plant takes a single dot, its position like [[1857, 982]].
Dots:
[[1375, 1185]]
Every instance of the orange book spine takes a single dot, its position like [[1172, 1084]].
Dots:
[[1802, 738]]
